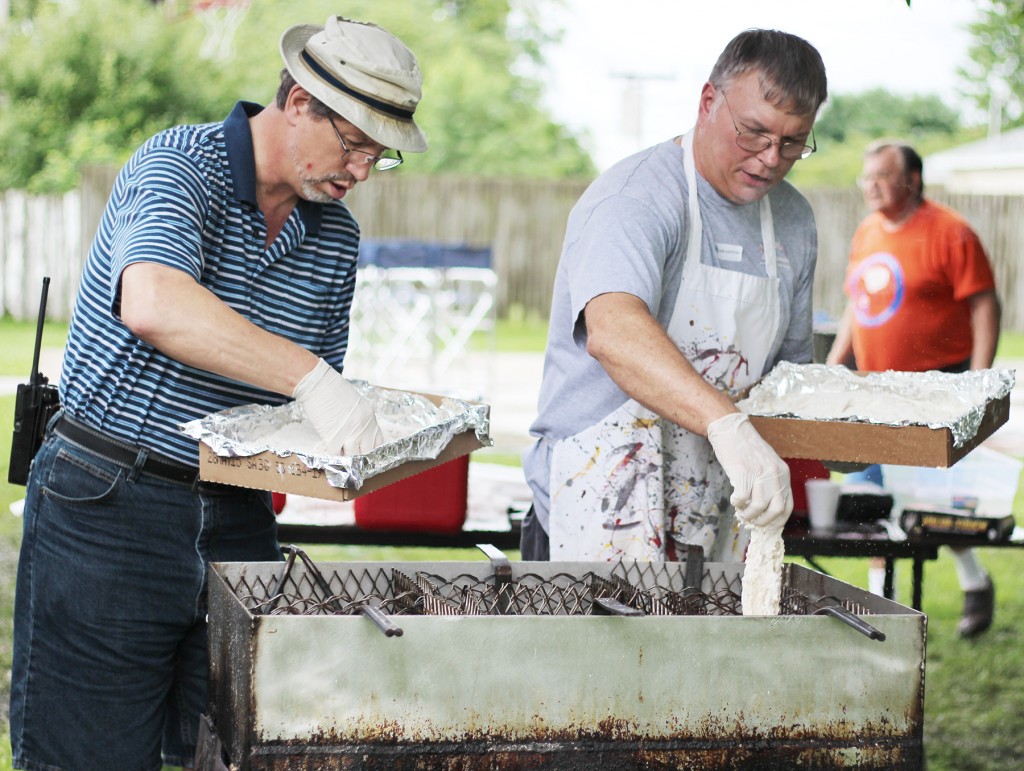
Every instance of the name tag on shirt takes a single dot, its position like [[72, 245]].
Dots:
[[729, 252]]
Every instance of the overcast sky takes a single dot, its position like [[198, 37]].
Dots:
[[620, 55]]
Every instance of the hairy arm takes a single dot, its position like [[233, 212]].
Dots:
[[644, 362], [168, 309]]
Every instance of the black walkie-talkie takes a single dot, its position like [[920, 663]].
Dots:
[[37, 401]]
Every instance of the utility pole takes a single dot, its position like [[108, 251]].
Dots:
[[632, 115]]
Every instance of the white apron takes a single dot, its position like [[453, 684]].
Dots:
[[640, 487]]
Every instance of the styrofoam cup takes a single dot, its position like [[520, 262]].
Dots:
[[822, 503]]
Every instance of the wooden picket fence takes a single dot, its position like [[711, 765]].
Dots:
[[521, 220]]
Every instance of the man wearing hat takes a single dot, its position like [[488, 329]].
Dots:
[[222, 274]]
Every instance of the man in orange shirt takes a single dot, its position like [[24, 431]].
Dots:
[[922, 297]]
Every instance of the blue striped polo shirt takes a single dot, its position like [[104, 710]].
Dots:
[[187, 199]]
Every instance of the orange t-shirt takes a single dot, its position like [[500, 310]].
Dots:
[[909, 290]]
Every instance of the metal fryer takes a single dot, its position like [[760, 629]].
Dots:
[[477, 665]]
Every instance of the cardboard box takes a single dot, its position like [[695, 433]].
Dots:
[[270, 471], [842, 441]]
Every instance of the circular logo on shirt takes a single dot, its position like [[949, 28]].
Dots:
[[876, 287]]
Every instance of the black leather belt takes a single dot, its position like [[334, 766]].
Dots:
[[124, 453]]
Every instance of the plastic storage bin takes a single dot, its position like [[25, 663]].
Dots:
[[433, 501], [984, 480]]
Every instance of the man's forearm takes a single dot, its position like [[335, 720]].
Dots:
[[644, 362], [167, 309]]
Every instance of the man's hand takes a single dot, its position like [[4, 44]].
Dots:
[[760, 478], [343, 418]]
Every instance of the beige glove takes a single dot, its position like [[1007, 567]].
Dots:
[[760, 478], [340, 415]]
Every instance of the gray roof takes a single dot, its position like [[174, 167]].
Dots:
[[1003, 151]]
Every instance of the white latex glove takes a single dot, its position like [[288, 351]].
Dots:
[[340, 415], [760, 478]]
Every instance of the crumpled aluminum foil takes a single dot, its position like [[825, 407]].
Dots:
[[414, 429], [969, 392]]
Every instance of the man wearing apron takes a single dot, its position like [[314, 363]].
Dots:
[[685, 275]]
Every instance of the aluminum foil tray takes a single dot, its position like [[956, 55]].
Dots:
[[935, 399], [906, 418], [416, 427]]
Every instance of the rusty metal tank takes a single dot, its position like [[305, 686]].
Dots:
[[495, 665]]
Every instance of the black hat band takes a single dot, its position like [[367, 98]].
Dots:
[[369, 101]]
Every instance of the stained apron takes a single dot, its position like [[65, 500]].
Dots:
[[638, 486]]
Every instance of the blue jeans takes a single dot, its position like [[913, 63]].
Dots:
[[110, 660]]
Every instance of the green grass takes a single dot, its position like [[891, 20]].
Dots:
[[519, 333], [974, 703], [1011, 346], [18, 339]]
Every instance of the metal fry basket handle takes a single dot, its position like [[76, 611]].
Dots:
[[851, 620]]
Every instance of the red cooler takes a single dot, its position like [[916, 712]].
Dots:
[[433, 501]]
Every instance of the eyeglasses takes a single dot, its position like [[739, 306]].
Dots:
[[379, 162], [756, 142]]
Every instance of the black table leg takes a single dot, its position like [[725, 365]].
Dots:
[[918, 582]]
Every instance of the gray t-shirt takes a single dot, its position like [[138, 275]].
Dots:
[[628, 233]]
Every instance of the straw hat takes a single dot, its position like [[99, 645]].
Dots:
[[363, 73]]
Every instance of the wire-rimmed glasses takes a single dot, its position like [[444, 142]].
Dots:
[[756, 142], [379, 162]]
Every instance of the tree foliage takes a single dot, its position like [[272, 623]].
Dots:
[[86, 81], [848, 122], [481, 116], [997, 58], [877, 113]]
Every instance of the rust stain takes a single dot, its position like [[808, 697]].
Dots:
[[617, 743], [582, 756], [611, 728]]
